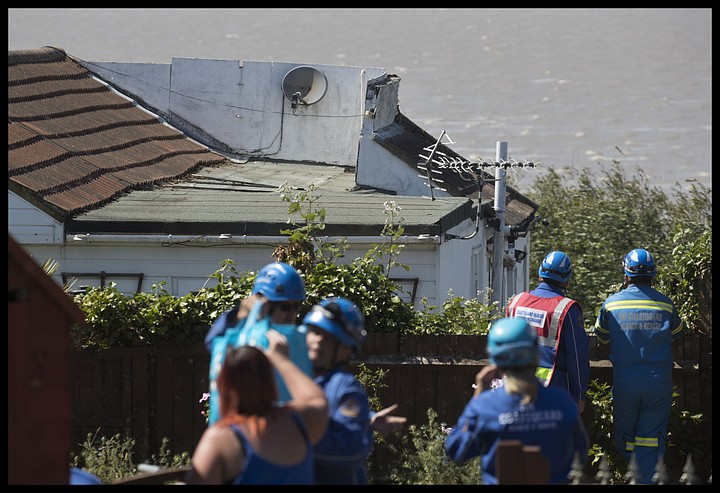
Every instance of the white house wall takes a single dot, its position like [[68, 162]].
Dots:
[[30, 226], [150, 81], [378, 167], [184, 269], [376, 171], [243, 106], [522, 269], [465, 266], [455, 262], [460, 266]]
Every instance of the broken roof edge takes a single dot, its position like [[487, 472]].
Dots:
[[390, 136]]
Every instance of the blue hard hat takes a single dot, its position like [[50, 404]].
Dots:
[[279, 281], [639, 262], [557, 266], [340, 317], [512, 342]]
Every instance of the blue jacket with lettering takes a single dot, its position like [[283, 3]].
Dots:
[[553, 422], [640, 324]]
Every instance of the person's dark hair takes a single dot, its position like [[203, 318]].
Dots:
[[553, 282], [246, 383], [640, 280]]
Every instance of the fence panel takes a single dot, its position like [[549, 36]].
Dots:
[[152, 393]]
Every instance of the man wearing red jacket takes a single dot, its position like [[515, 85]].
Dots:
[[564, 356]]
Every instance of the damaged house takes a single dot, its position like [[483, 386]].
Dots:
[[138, 174]]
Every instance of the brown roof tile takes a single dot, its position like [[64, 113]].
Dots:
[[74, 145]]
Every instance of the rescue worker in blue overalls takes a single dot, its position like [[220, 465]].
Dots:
[[335, 333], [640, 324], [564, 353], [519, 408]]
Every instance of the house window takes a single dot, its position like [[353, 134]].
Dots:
[[408, 286]]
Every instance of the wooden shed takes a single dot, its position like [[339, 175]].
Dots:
[[40, 315]]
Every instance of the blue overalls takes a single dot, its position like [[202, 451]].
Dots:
[[640, 324]]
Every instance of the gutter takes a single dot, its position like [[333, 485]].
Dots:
[[228, 239]]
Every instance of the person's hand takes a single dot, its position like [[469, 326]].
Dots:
[[247, 304], [484, 378], [581, 406], [277, 344], [385, 422]]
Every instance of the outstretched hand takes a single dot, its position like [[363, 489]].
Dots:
[[385, 422]]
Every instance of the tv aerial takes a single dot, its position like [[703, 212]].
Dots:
[[304, 85]]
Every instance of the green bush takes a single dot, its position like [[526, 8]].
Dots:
[[596, 220], [109, 460], [597, 216], [112, 458], [420, 459], [457, 316], [685, 278]]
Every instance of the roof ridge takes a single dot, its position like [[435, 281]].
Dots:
[[46, 54]]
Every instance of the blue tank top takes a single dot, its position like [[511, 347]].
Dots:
[[256, 470]]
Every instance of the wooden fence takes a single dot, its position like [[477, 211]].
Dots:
[[152, 393]]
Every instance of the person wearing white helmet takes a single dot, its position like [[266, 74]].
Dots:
[[335, 333], [640, 324], [558, 320], [521, 408]]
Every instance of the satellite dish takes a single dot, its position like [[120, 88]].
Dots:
[[304, 85]]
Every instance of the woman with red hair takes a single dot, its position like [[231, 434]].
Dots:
[[258, 441]]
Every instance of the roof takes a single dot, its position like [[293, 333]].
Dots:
[[94, 159], [406, 140], [250, 204], [74, 144]]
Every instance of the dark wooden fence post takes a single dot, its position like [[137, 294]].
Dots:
[[516, 463]]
